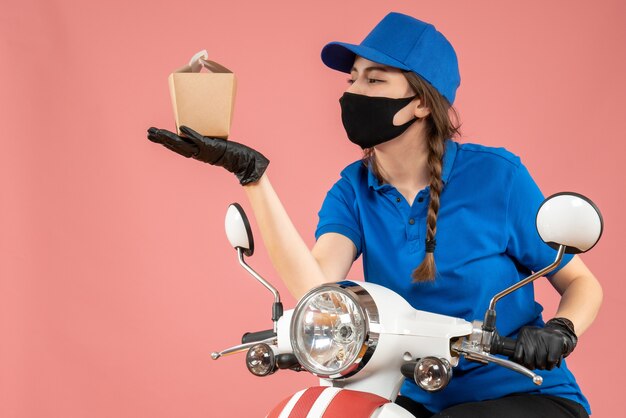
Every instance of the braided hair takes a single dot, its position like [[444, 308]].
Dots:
[[441, 124]]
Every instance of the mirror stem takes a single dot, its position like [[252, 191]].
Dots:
[[540, 273], [256, 276], [490, 315], [277, 307]]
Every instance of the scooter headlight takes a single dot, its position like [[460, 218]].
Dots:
[[331, 330]]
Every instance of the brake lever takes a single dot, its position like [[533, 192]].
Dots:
[[472, 352], [242, 347]]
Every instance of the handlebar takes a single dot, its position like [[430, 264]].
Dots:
[[503, 345], [250, 337]]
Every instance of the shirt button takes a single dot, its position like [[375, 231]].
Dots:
[[398, 199], [420, 199], [411, 221]]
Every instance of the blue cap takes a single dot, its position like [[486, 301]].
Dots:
[[403, 42]]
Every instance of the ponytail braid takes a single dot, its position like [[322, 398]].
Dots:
[[439, 126], [427, 269]]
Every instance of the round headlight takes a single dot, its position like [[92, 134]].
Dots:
[[330, 330], [260, 360]]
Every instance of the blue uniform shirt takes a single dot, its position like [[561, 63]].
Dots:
[[486, 241]]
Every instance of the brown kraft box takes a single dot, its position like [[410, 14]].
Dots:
[[203, 100]]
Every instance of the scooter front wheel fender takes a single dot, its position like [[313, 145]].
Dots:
[[329, 402]]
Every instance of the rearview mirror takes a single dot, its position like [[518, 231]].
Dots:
[[569, 219], [238, 229]]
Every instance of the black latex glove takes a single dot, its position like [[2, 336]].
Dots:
[[247, 164], [543, 348]]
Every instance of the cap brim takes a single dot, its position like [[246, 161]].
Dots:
[[340, 56]]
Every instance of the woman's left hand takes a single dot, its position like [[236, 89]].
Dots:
[[543, 348], [246, 163]]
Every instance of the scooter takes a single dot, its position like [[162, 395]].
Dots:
[[362, 340]]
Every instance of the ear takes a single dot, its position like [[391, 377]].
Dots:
[[421, 111]]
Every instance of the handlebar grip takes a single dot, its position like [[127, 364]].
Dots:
[[503, 345], [250, 337]]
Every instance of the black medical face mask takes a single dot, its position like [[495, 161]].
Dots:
[[369, 120]]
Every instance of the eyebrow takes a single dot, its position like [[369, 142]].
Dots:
[[370, 69]]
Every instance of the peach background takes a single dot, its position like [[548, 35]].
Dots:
[[117, 279]]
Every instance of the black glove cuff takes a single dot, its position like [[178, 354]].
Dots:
[[563, 324], [566, 327]]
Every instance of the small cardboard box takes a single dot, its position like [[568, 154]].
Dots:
[[203, 101]]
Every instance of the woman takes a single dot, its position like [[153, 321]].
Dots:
[[417, 190]]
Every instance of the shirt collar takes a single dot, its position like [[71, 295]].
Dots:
[[448, 161]]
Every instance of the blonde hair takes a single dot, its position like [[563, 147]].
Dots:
[[442, 123]]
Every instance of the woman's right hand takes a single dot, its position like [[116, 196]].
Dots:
[[544, 348], [246, 163]]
